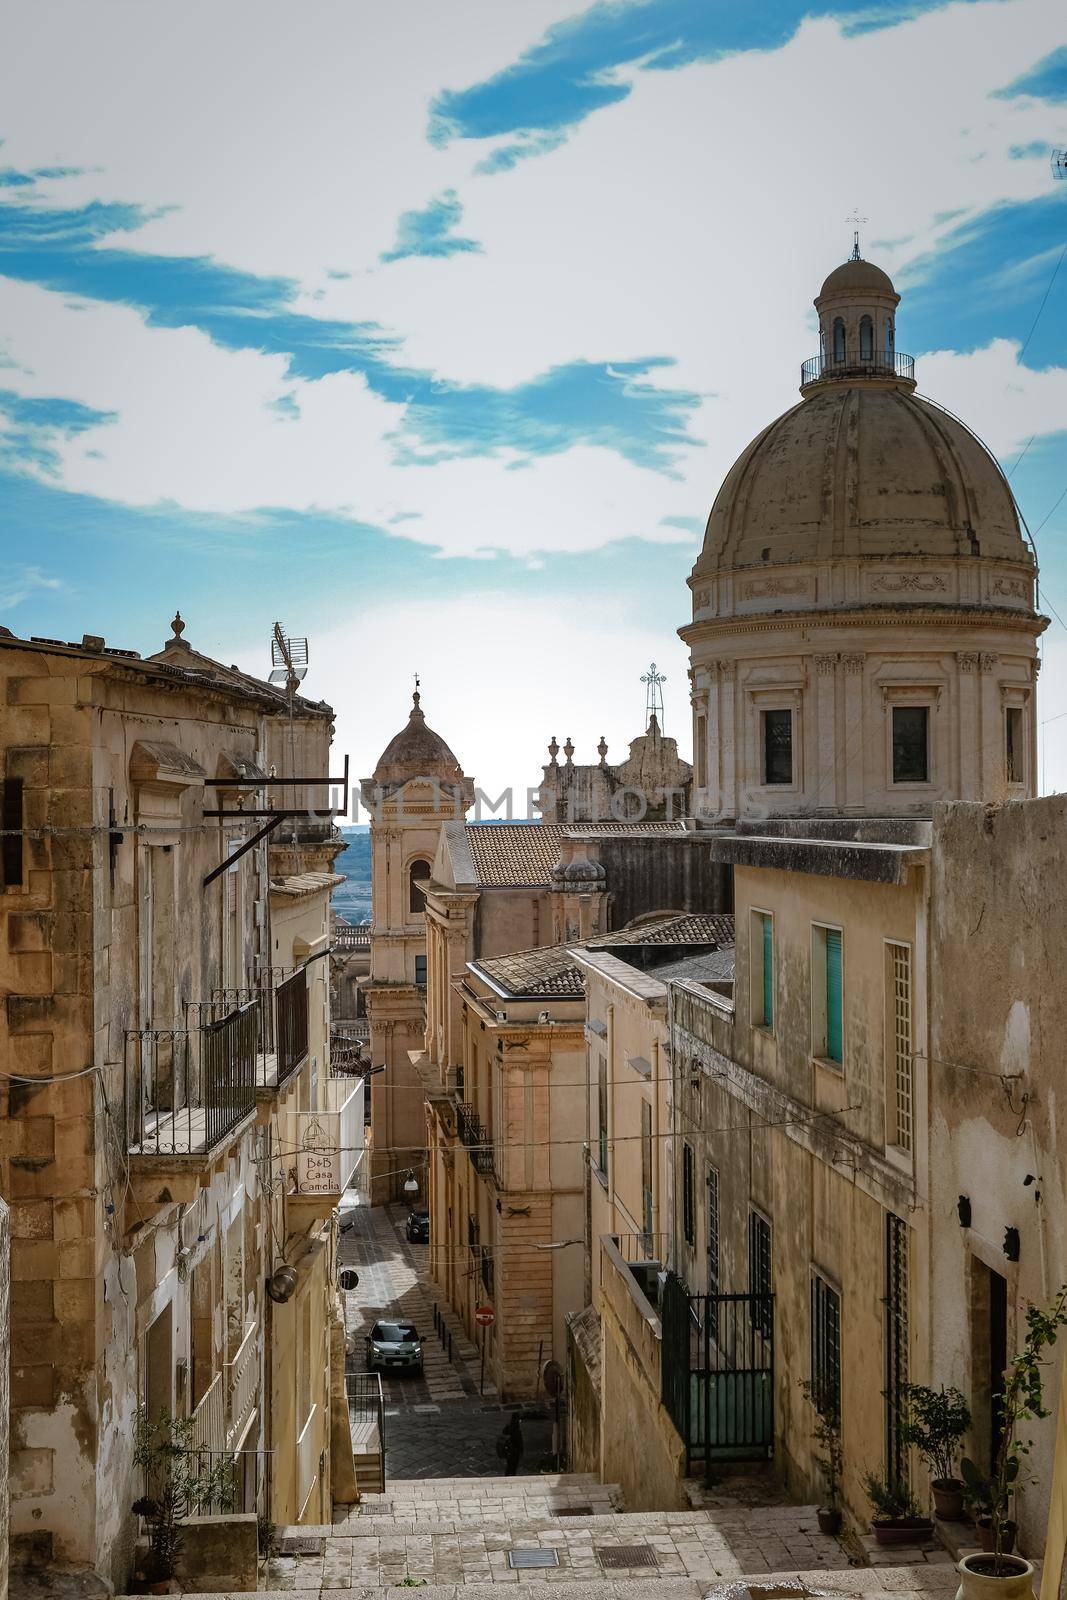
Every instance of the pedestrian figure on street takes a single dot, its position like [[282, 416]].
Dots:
[[509, 1446]]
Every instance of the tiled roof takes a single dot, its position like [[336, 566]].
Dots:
[[697, 928], [713, 966], [522, 854], [549, 971]]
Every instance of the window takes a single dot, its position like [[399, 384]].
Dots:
[[602, 1116], [866, 339], [761, 1311], [911, 761], [418, 873], [896, 1344], [1013, 744], [420, 971], [889, 337], [701, 747], [777, 746], [898, 1046], [825, 1347], [839, 339], [646, 1171], [761, 968], [688, 1208], [713, 1231], [827, 1001], [11, 842]]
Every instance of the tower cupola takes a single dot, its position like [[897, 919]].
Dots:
[[857, 308]]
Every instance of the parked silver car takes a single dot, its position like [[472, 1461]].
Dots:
[[394, 1345]]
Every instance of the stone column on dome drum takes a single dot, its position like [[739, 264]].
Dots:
[[968, 724], [728, 796], [826, 776], [991, 740], [854, 741]]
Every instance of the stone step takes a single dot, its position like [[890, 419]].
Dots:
[[922, 1582]]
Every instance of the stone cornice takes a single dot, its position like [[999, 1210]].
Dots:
[[897, 558], [875, 616]]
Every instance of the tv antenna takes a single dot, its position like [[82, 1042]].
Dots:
[[289, 659], [856, 221], [654, 680]]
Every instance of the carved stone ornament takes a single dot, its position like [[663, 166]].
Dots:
[[908, 583], [726, 669], [967, 660], [1014, 588], [987, 661], [701, 598], [767, 588], [824, 665], [853, 664]]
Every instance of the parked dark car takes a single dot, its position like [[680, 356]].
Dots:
[[418, 1227], [394, 1345]]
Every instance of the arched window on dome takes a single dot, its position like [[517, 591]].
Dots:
[[866, 339], [839, 339], [889, 338], [418, 872]]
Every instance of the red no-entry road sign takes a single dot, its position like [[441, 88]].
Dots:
[[484, 1316]]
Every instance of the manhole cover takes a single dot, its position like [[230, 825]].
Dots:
[[627, 1555], [533, 1558], [574, 1511], [305, 1544]]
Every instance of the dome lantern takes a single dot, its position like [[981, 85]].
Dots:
[[857, 330]]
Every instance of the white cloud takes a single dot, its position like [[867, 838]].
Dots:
[[18, 585], [1005, 403], [500, 675], [694, 219]]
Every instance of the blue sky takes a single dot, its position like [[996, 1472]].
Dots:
[[435, 335]]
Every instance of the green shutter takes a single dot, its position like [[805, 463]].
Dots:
[[833, 994], [768, 973]]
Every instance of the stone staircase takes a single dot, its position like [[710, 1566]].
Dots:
[[456, 1537]]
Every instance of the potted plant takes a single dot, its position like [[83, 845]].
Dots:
[[179, 1480], [995, 1570], [897, 1518], [934, 1421], [826, 1431]]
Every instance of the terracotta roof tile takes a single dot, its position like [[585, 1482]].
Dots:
[[522, 854]]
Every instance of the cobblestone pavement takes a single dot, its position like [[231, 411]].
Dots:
[[438, 1425]]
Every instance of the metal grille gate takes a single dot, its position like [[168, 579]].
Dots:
[[718, 1372]]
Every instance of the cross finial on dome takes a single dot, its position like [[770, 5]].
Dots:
[[856, 220], [416, 698]]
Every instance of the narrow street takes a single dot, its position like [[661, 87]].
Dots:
[[437, 1425]]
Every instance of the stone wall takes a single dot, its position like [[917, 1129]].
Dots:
[[5, 1386], [642, 1450], [662, 873]]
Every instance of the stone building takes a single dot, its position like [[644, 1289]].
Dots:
[[864, 639], [509, 1171], [417, 787], [653, 784], [858, 1131], [172, 1136]]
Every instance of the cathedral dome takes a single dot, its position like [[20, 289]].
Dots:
[[857, 274], [417, 752], [861, 469]]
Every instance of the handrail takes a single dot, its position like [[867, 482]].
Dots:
[[208, 1416], [366, 1399], [242, 1374]]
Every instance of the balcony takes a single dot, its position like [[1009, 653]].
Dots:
[[330, 1142], [349, 1046], [282, 1038], [349, 937], [241, 1380], [188, 1088], [475, 1136], [827, 368]]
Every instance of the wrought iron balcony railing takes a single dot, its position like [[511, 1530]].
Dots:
[[857, 364], [188, 1087], [282, 1038], [475, 1136]]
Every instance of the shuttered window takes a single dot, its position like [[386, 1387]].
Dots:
[[646, 1170], [833, 995], [760, 1279], [713, 1231], [688, 1206], [761, 951], [602, 1115], [899, 1076], [10, 833], [825, 1347]]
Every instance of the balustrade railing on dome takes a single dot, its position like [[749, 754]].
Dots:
[[857, 363]]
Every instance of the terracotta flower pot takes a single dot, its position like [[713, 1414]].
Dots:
[[983, 1527], [948, 1498], [978, 1580], [829, 1518], [910, 1530]]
